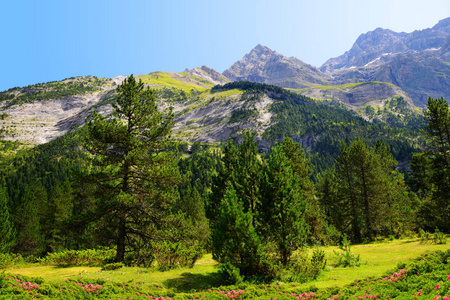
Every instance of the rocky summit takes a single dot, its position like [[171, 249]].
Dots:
[[264, 65]]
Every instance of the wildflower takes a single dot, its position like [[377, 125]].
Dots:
[[437, 286]]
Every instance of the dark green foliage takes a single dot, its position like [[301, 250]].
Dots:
[[283, 204], [303, 268], [112, 266], [365, 196], [170, 255], [30, 237], [258, 209], [436, 211], [135, 175], [7, 230], [233, 211], [236, 243], [326, 124], [34, 176], [88, 257], [420, 180], [239, 115]]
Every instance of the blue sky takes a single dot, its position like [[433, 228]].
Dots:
[[52, 40]]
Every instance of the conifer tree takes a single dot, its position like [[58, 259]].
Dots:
[[283, 206], [7, 230], [437, 116], [30, 238], [371, 195], [134, 173], [236, 243]]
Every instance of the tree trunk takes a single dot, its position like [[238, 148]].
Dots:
[[120, 255]]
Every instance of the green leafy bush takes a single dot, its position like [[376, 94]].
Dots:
[[10, 259], [439, 237], [170, 255], [79, 257], [346, 258], [113, 266], [302, 268]]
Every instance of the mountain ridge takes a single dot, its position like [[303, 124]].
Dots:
[[417, 62]]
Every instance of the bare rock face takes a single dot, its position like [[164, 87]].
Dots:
[[359, 95], [208, 74], [42, 121], [264, 65]]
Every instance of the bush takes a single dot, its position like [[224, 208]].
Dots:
[[10, 259], [346, 258], [113, 266], [439, 237], [171, 255], [230, 274], [302, 268], [79, 257]]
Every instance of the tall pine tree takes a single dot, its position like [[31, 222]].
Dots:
[[134, 174], [283, 205]]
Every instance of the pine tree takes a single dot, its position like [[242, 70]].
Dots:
[[134, 173], [370, 190], [437, 116], [242, 171], [61, 203], [283, 207], [7, 230], [30, 238], [235, 240]]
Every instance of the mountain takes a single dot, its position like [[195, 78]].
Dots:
[[264, 65], [381, 79], [418, 62]]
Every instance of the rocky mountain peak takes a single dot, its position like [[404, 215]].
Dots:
[[264, 65], [443, 25], [261, 51], [382, 45], [207, 73]]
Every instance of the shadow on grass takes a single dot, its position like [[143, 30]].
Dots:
[[188, 282], [67, 266], [410, 241]]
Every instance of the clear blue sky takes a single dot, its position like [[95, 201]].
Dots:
[[52, 40]]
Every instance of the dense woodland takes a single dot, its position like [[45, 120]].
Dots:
[[124, 184]]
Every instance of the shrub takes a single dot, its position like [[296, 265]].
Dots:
[[439, 237], [171, 255], [79, 257], [346, 258], [302, 268], [10, 259], [113, 266]]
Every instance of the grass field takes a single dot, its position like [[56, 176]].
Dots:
[[376, 259]]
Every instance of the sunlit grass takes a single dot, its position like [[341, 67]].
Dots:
[[376, 260], [53, 273], [162, 79]]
